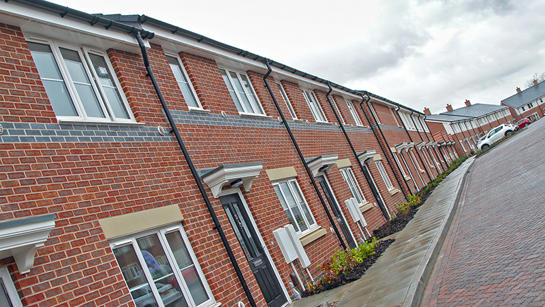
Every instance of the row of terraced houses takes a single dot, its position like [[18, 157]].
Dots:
[[144, 164]]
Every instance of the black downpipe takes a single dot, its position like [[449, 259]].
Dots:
[[433, 149], [417, 152], [300, 153], [443, 137], [422, 139], [439, 147], [369, 183], [194, 171], [385, 140]]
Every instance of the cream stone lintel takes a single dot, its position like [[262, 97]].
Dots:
[[344, 163], [281, 173], [377, 157], [126, 224], [313, 236]]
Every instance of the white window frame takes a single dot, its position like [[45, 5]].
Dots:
[[286, 100], [374, 113], [354, 112], [239, 75], [190, 84], [352, 184], [11, 291], [426, 156], [416, 123], [310, 227], [83, 53], [384, 175], [424, 124], [337, 109], [161, 232], [393, 115], [396, 158], [413, 156], [314, 106]]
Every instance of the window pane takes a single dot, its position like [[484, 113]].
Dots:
[[54, 85], [231, 90], [189, 272], [285, 207], [301, 202], [183, 83], [82, 83], [241, 94], [253, 100], [293, 207], [288, 103], [113, 96], [134, 276], [160, 271]]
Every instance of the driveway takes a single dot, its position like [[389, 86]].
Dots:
[[494, 252]]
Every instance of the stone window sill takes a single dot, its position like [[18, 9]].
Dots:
[[393, 191], [313, 236]]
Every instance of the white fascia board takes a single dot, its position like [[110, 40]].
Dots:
[[177, 43], [53, 26], [384, 102]]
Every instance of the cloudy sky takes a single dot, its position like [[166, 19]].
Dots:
[[416, 52]]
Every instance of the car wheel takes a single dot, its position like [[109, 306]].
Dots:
[[508, 133], [485, 147]]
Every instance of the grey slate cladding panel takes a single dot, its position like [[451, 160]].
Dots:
[[31, 132]]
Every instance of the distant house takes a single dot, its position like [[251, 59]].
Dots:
[[527, 103], [467, 124]]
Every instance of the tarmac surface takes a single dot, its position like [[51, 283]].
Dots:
[[494, 252]]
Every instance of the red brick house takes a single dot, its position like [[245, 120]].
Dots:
[[527, 103], [143, 164]]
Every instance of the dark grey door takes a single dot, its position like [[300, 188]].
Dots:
[[336, 211], [259, 263]]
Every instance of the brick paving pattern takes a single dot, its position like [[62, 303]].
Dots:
[[494, 253]]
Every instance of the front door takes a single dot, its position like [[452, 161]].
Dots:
[[248, 239], [336, 210]]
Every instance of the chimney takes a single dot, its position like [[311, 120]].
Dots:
[[518, 89], [427, 111], [449, 108], [467, 102], [535, 82]]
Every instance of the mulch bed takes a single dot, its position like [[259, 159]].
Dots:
[[358, 271]]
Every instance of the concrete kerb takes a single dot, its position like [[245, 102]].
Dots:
[[416, 290]]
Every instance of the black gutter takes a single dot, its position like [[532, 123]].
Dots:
[[92, 19], [300, 153], [417, 152], [196, 176], [422, 139], [365, 94], [369, 183]]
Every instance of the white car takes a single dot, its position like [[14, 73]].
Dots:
[[495, 135]]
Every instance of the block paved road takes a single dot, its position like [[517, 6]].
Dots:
[[494, 252]]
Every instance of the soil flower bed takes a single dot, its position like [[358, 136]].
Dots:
[[347, 266], [407, 210]]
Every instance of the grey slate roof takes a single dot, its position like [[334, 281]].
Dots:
[[524, 97], [473, 111]]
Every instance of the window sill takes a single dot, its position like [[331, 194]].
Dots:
[[393, 191], [422, 171], [77, 122], [366, 207], [407, 178], [254, 115], [312, 236], [198, 110]]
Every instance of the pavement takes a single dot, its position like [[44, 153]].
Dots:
[[494, 252], [397, 278]]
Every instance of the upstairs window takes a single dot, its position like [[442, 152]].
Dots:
[[80, 83], [354, 113], [337, 109], [184, 84], [393, 115], [314, 106], [242, 92], [286, 100]]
